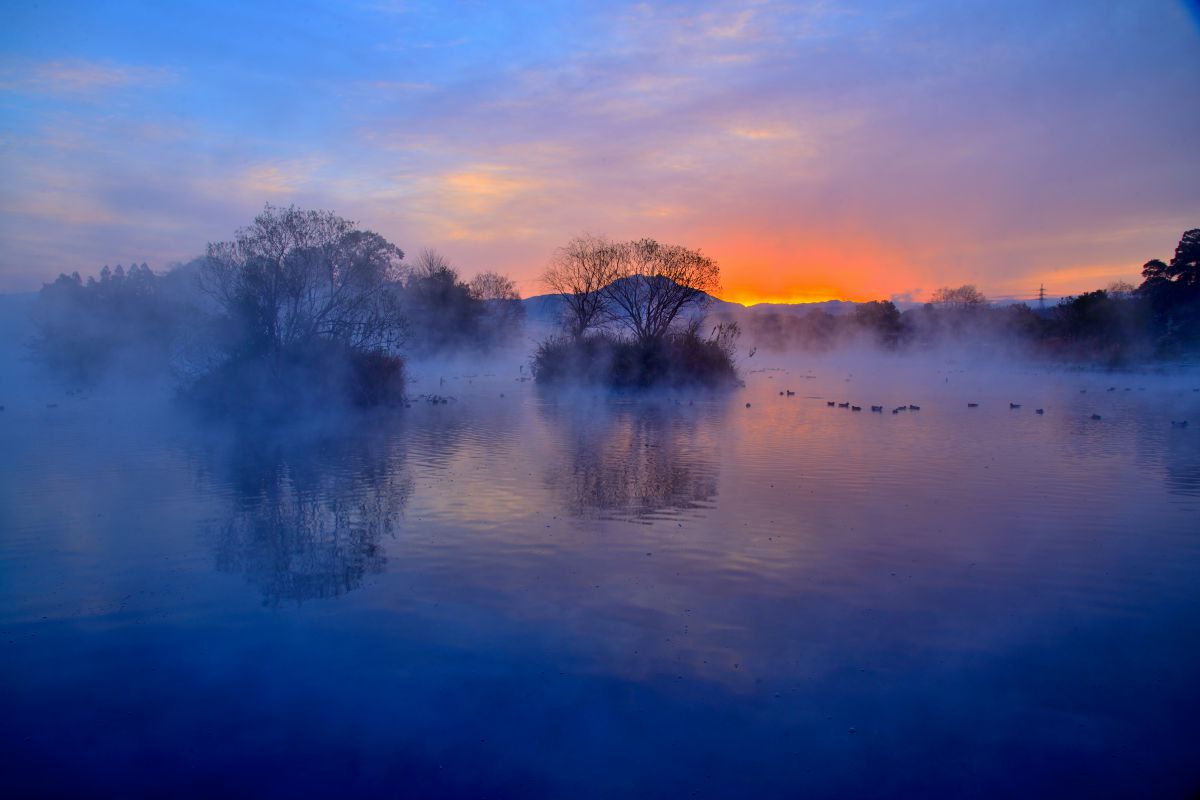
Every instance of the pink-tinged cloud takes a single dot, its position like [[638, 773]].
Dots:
[[822, 149]]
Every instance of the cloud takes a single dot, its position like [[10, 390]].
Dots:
[[78, 78], [812, 148], [275, 178], [762, 133]]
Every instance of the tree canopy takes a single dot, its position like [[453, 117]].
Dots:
[[295, 276], [642, 286], [965, 296], [656, 283], [580, 271]]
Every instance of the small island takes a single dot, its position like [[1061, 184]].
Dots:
[[632, 318]]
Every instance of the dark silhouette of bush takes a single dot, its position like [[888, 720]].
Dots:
[[682, 359], [312, 378]]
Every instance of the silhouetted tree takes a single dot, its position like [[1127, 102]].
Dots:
[[1173, 292], [1120, 290], [1182, 273], [311, 314], [297, 276], [1184, 268], [578, 275], [966, 296], [503, 311], [493, 286], [882, 319], [657, 283], [441, 308]]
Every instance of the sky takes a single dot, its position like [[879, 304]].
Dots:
[[817, 150]]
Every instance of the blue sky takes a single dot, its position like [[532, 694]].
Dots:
[[852, 149]]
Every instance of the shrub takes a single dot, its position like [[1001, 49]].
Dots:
[[676, 360], [315, 378]]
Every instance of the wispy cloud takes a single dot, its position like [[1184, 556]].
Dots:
[[814, 148], [274, 179], [75, 78]]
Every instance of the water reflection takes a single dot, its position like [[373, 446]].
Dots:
[[1183, 465], [632, 460], [309, 513]]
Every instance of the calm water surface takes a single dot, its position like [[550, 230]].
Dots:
[[527, 595]]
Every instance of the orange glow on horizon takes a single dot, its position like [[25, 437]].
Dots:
[[750, 297], [808, 267]]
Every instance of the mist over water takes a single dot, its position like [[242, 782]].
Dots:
[[521, 592]]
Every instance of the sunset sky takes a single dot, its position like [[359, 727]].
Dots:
[[857, 150]]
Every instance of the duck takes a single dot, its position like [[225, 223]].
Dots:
[[856, 408], [877, 409], [843, 405], [1095, 416], [911, 407], [972, 405], [1183, 423], [895, 411], [898, 409], [790, 393], [830, 403], [1014, 405], [1040, 411], [747, 405]]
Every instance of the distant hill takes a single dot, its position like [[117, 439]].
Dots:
[[548, 307], [828, 306]]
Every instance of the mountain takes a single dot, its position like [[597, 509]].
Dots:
[[548, 307]]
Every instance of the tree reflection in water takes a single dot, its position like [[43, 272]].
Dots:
[[310, 512], [637, 459]]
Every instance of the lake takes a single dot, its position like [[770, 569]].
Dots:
[[524, 594]]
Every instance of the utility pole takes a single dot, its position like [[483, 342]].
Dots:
[[1042, 297]]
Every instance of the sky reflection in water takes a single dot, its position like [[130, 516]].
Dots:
[[522, 594]]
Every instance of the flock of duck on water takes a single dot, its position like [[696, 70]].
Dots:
[[910, 407]]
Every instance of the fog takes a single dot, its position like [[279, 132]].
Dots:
[[496, 573]]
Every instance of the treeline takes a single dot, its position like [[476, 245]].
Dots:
[[1122, 323], [134, 316], [300, 306], [305, 307]]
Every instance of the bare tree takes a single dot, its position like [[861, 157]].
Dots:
[[432, 264], [294, 276], [441, 310], [966, 296], [1121, 290], [493, 286], [503, 312], [579, 273], [656, 284]]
